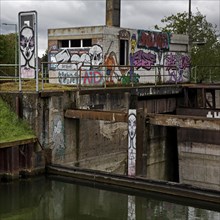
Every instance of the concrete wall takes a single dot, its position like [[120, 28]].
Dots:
[[199, 154], [159, 150], [94, 144]]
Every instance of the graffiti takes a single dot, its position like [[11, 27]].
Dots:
[[58, 139], [177, 66], [131, 208], [27, 48], [69, 59], [132, 142], [213, 115], [124, 34], [153, 40], [144, 60], [96, 55], [92, 78], [127, 78], [68, 77], [110, 62]]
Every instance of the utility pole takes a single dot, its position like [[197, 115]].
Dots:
[[189, 27]]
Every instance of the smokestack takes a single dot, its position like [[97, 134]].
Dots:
[[113, 12]]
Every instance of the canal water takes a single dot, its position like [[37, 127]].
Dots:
[[44, 198]]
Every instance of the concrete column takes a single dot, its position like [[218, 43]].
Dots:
[[113, 11]]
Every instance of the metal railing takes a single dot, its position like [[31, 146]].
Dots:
[[87, 76], [205, 74]]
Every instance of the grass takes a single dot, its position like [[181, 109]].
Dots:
[[31, 86], [12, 128]]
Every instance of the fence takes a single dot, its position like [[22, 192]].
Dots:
[[205, 74], [85, 76]]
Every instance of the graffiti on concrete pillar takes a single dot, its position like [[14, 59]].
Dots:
[[131, 208], [132, 142], [58, 138]]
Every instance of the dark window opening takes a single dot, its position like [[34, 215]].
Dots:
[[123, 52], [75, 43], [64, 43], [87, 42]]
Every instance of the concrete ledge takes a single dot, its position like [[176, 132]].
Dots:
[[17, 143]]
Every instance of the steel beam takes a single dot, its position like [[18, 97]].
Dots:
[[97, 115], [183, 121]]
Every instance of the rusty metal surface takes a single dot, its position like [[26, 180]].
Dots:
[[97, 115], [183, 121]]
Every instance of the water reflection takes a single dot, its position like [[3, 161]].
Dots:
[[47, 199]]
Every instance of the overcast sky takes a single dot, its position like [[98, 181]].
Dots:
[[138, 14]]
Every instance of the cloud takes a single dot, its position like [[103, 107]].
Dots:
[[143, 14]]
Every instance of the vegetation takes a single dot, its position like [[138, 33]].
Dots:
[[7, 53], [205, 47], [12, 128]]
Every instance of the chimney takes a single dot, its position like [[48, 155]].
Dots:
[[113, 12]]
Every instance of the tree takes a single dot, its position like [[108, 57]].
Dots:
[[7, 53], [205, 47]]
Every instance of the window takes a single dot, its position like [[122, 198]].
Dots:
[[124, 52], [64, 43], [87, 42], [76, 43]]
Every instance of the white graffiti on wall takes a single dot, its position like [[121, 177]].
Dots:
[[132, 142], [71, 61], [131, 208], [58, 138], [213, 115]]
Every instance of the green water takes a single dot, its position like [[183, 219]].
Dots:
[[47, 199]]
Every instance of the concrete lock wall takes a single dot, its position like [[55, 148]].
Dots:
[[94, 144], [199, 153], [159, 151], [102, 145]]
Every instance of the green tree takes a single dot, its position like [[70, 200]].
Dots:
[[7, 53], [205, 47]]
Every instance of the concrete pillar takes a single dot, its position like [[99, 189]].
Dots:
[[113, 12]]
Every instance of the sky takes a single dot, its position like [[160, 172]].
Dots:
[[138, 14]]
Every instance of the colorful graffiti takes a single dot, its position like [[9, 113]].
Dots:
[[110, 62], [144, 60], [177, 66], [153, 40], [92, 78], [149, 61]]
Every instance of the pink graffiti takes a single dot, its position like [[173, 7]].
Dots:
[[92, 77], [144, 60], [153, 40]]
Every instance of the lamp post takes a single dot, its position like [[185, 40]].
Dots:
[[16, 42]]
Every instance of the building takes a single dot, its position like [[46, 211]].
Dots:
[[110, 54]]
